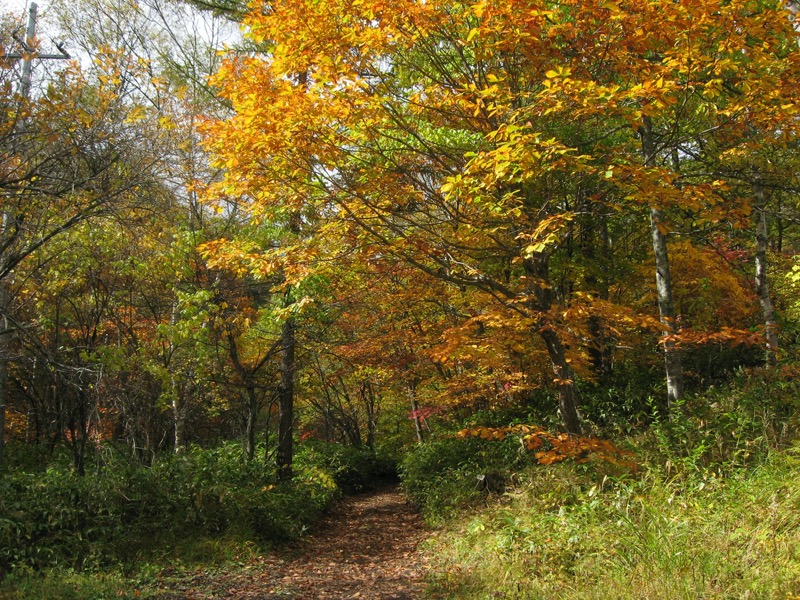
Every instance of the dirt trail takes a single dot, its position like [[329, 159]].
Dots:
[[365, 548]]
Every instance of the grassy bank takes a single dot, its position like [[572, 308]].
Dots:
[[713, 510], [562, 534]]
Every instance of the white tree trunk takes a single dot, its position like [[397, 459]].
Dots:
[[666, 306], [762, 284]]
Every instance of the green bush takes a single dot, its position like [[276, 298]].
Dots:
[[353, 469], [727, 427], [567, 534], [122, 511], [441, 475]]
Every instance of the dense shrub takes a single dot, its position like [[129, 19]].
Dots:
[[353, 469], [441, 474], [566, 534], [122, 510], [727, 427]]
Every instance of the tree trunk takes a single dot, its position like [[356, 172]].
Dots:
[[80, 435], [762, 284], [252, 418], [5, 346], [666, 306], [178, 405], [537, 269], [567, 395], [179, 415], [666, 309], [412, 396], [267, 426], [284, 452], [370, 405]]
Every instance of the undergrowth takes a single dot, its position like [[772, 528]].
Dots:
[[113, 530], [713, 510]]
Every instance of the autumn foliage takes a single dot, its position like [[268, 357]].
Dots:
[[496, 149], [371, 210], [550, 448], [370, 234]]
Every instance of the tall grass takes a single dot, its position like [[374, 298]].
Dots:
[[653, 537], [713, 512]]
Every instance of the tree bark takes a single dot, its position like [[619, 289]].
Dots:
[[666, 307], [762, 284], [285, 449], [179, 414], [252, 419], [178, 406], [537, 269], [412, 396], [565, 381], [370, 406], [5, 347]]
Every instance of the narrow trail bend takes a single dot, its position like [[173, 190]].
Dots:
[[365, 548]]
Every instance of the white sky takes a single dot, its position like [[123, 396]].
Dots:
[[19, 8], [229, 32]]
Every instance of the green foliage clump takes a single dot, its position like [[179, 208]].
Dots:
[[124, 511], [441, 475], [67, 584], [564, 533], [727, 427], [354, 469], [712, 512]]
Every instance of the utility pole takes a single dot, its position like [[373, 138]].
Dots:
[[29, 46], [29, 50]]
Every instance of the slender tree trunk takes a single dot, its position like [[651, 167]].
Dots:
[[267, 426], [285, 450], [252, 418], [762, 284], [666, 309], [179, 415], [412, 396], [666, 306], [178, 406], [5, 346], [567, 394], [537, 269], [370, 404], [80, 435]]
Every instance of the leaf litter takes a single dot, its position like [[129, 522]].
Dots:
[[366, 547]]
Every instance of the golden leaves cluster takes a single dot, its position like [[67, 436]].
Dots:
[[550, 447]]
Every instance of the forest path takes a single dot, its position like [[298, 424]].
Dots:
[[366, 547]]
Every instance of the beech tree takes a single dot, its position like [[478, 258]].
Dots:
[[470, 139]]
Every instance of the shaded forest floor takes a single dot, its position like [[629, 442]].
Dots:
[[365, 548]]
